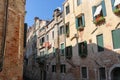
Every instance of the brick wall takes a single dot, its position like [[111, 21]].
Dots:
[[13, 52]]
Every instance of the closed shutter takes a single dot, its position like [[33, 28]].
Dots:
[[100, 42], [83, 20], [112, 2], [76, 21], [103, 8], [116, 38]]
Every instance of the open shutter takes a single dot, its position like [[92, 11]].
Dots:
[[116, 38], [82, 49], [100, 42], [70, 51], [76, 21], [112, 2], [85, 48], [83, 20], [93, 11], [103, 8]]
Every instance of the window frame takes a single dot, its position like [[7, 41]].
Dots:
[[67, 9], [62, 68], [79, 2], [86, 72], [102, 72]]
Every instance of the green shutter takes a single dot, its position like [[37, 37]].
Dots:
[[68, 51], [76, 21], [112, 2], [62, 46], [93, 11], [83, 21], [100, 42], [116, 38], [103, 8]]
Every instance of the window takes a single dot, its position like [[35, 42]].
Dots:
[[100, 43], [53, 34], [115, 5], [82, 48], [47, 37], [116, 38], [42, 40], [79, 2], [84, 72], [62, 68], [62, 48], [42, 53], [53, 51], [99, 12], [61, 30], [80, 21], [67, 29], [47, 67], [53, 68], [68, 52], [102, 74], [67, 9]]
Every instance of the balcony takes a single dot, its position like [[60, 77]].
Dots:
[[99, 21], [47, 45]]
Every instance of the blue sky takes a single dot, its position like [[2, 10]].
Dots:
[[41, 8]]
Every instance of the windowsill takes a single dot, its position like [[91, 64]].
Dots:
[[116, 49]]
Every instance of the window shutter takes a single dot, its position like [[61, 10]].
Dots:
[[76, 21], [116, 38], [66, 51], [93, 11], [100, 42], [103, 8], [83, 20], [85, 49], [70, 51], [112, 2]]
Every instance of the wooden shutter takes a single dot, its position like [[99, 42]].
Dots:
[[100, 42], [103, 8], [76, 21], [93, 11], [112, 3], [83, 20], [116, 38]]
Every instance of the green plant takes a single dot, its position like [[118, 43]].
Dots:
[[98, 20]]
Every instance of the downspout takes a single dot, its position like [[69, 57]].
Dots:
[[4, 34]]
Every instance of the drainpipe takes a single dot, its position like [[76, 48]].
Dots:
[[4, 34]]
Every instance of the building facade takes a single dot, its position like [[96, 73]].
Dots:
[[32, 69], [12, 15], [93, 33], [82, 42]]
